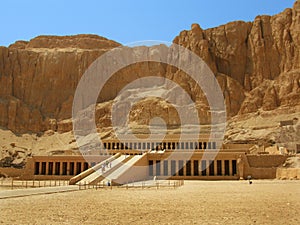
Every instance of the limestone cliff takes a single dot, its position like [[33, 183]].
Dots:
[[38, 79], [262, 58], [256, 63]]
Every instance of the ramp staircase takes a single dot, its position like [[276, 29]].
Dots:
[[113, 177], [107, 170]]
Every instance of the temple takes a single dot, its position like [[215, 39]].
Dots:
[[172, 158]]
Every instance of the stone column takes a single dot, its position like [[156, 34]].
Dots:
[[240, 166], [54, 167], [230, 168], [81, 167], [192, 167], [154, 167], [161, 167], [215, 167], [40, 168], [75, 167], [223, 167], [207, 168], [68, 168], [200, 167]]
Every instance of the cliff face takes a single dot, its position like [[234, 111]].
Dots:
[[262, 58], [38, 79], [257, 65]]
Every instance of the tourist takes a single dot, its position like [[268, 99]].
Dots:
[[249, 179]]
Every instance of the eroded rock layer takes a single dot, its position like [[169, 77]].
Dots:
[[257, 65]]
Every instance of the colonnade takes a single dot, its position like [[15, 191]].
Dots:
[[60, 168], [202, 145], [218, 167]]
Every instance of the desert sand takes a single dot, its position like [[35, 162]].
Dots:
[[197, 202]]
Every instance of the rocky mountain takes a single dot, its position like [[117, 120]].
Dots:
[[257, 65], [38, 79]]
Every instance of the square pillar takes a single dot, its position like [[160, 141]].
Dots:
[[230, 168], [75, 168], [215, 167], [200, 167], [223, 167], [40, 168], [60, 168], [207, 168], [68, 168], [169, 168]]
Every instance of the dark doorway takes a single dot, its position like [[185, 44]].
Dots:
[[192, 145], [182, 145], [173, 145], [85, 166], [50, 168], [226, 167], [37, 168], [180, 165], [187, 145], [78, 168], [157, 167], [196, 168], [219, 167], [203, 168], [150, 167], [169, 145], [166, 167], [173, 167], [214, 145], [234, 172], [43, 172], [57, 168], [200, 145], [71, 172], [64, 168], [211, 168], [208, 145], [188, 167]]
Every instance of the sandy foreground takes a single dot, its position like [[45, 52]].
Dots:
[[197, 202]]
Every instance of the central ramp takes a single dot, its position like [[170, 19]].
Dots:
[[99, 174], [110, 170], [115, 176], [90, 171]]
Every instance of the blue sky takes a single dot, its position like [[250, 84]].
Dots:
[[124, 21]]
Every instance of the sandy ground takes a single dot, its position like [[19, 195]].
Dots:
[[197, 202]]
